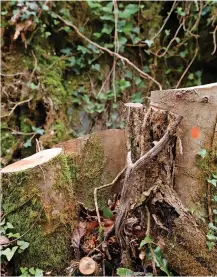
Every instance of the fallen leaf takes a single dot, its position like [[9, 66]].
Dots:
[[91, 225], [23, 26]]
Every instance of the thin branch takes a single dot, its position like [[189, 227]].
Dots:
[[105, 186], [158, 147], [16, 74], [165, 21], [214, 40], [170, 43], [189, 65], [116, 43], [106, 80], [122, 58], [18, 104]]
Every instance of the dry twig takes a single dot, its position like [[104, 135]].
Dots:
[[189, 65], [105, 186], [214, 40]]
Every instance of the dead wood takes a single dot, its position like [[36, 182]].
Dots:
[[150, 183]]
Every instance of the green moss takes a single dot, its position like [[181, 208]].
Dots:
[[88, 173], [45, 209]]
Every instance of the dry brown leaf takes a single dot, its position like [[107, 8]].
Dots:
[[22, 27], [91, 226]]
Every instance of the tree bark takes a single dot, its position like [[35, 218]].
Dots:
[[158, 185]]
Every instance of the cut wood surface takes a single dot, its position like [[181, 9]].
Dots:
[[198, 106], [37, 159]]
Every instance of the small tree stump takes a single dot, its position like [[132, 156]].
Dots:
[[38, 200]]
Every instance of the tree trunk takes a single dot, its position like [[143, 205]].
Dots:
[[156, 184]]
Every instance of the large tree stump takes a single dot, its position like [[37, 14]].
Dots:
[[156, 184], [42, 194]]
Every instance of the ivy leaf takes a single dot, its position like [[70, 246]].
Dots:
[[146, 240], [96, 66], [38, 130], [32, 270], [83, 49], [213, 182], [45, 8], [214, 176], [2, 222], [211, 237], [215, 212], [107, 213], [149, 42], [124, 84], [107, 29], [32, 86], [202, 153], [124, 271], [66, 51], [28, 143], [128, 11], [22, 244], [38, 272], [122, 41], [11, 235], [9, 225], [210, 245], [108, 7], [9, 253], [127, 28], [107, 17]]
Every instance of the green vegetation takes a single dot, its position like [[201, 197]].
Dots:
[[208, 164], [73, 86]]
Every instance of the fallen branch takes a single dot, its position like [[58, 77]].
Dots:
[[122, 58]]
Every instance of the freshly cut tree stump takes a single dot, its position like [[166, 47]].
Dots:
[[152, 198], [42, 194], [39, 201], [95, 160], [198, 105]]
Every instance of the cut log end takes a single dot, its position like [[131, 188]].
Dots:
[[87, 266], [133, 105], [32, 161]]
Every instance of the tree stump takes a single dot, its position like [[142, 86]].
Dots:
[[42, 194], [39, 201], [157, 191]]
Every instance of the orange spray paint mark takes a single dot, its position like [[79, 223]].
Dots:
[[195, 132]]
